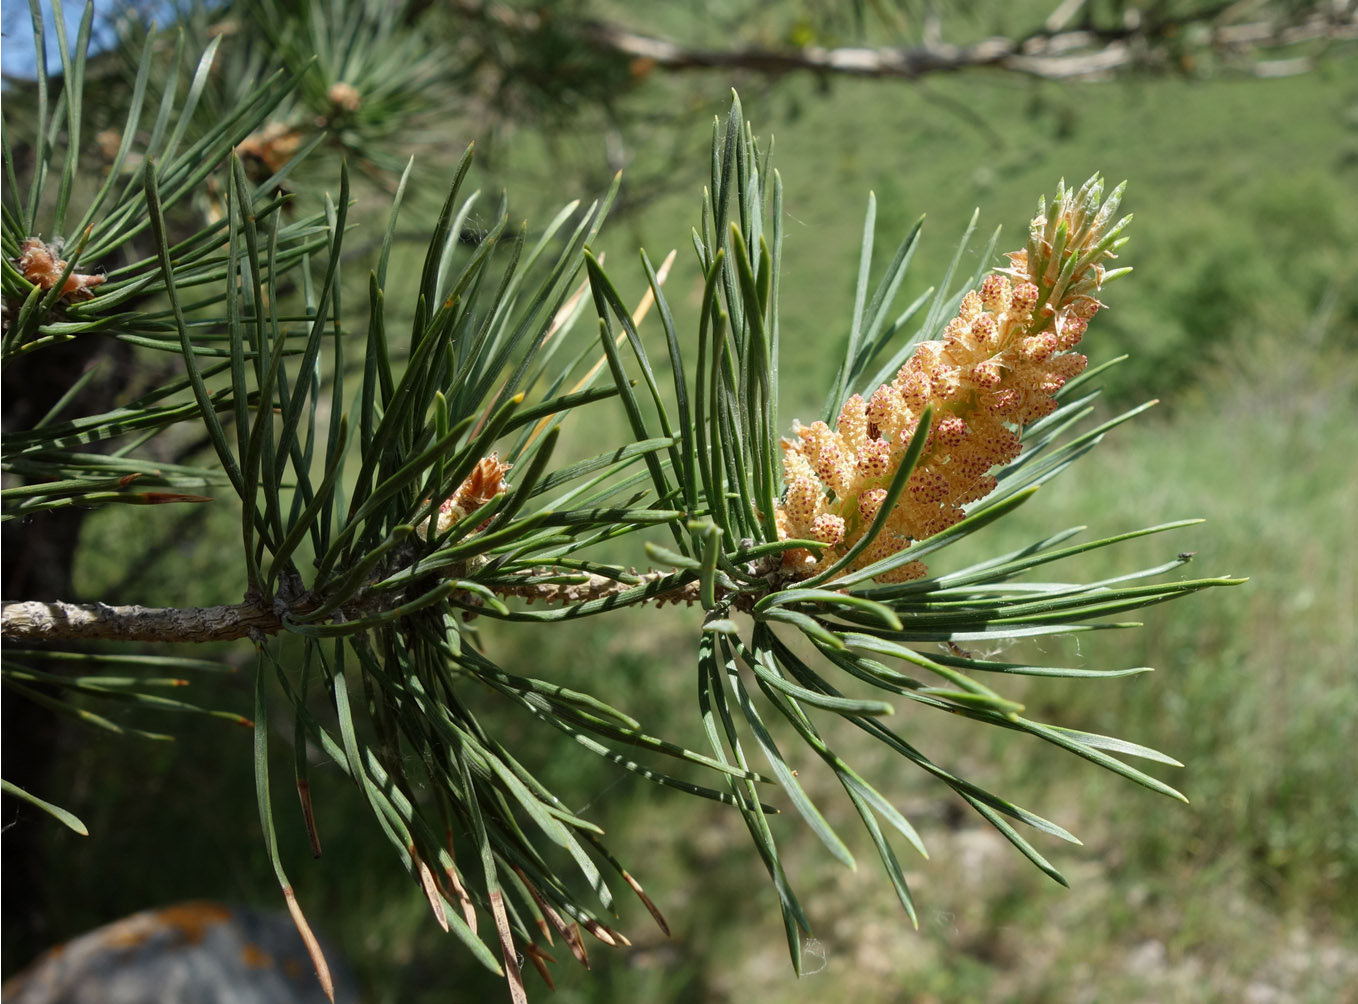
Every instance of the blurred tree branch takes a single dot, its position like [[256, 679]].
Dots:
[[1073, 43]]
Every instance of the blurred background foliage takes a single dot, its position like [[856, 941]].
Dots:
[[1242, 317]]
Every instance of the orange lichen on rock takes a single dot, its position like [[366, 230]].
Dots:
[[997, 367], [486, 480], [41, 265], [192, 920], [182, 923]]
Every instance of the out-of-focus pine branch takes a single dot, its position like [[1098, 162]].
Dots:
[[1077, 41]]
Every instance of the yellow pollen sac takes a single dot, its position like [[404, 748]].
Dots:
[[984, 332], [949, 432], [970, 307], [995, 290], [1040, 347], [870, 502], [987, 375], [886, 410], [1024, 298], [853, 423], [1085, 307], [873, 459], [928, 486], [828, 528], [795, 464], [831, 467], [804, 501], [1069, 330], [914, 390]]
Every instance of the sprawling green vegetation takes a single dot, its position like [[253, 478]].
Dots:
[[1242, 315]]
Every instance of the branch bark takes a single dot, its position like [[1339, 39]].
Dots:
[[31, 621], [36, 621]]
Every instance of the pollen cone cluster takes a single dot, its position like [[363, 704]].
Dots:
[[997, 368]]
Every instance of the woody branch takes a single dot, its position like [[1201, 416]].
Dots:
[[38, 621]]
